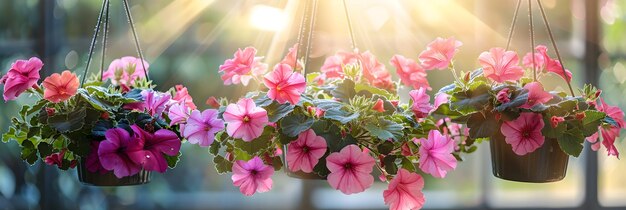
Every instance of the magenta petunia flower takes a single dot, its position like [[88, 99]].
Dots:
[[178, 114], [350, 170], [182, 97], [304, 153], [405, 191], [252, 176], [536, 95], [421, 102], [440, 98], [291, 59], [55, 159], [410, 72], [500, 65], [154, 102], [125, 71], [524, 133], [436, 154], [284, 84], [333, 65], [375, 72], [116, 150], [201, 127], [439, 53], [242, 67], [21, 77], [245, 120], [93, 161], [162, 142]]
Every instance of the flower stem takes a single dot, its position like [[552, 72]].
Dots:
[[456, 77]]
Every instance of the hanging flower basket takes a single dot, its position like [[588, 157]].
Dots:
[[116, 123]]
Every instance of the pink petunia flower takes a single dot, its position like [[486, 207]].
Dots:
[[379, 106], [375, 72], [501, 66], [201, 127], [527, 60], [242, 67], [350, 170], [93, 161], [291, 59], [421, 102], [284, 84], [410, 72], [55, 159], [524, 133], [155, 103], [245, 120], [405, 191], [439, 53], [436, 154], [125, 71], [60, 87], [304, 153], [536, 95], [555, 121], [609, 134], [116, 150], [162, 142], [333, 65], [178, 114], [440, 98], [252, 176], [182, 97], [553, 65], [503, 96], [23, 75]]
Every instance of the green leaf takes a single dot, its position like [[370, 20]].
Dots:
[[385, 129], [276, 111], [340, 115], [444, 110], [277, 163], [94, 102], [549, 131], [294, 124], [482, 125], [214, 149], [571, 142], [258, 144], [592, 120], [37, 107], [68, 122], [284, 139], [390, 164], [172, 160], [385, 148], [472, 100], [310, 77], [101, 127], [45, 149], [373, 90], [9, 135], [408, 164], [222, 165], [520, 97], [344, 90], [29, 152]]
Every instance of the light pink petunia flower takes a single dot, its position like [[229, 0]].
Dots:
[[290, 58], [436, 154], [245, 120], [375, 72], [410, 72], [501, 66], [350, 170], [115, 152], [304, 153], [23, 75], [125, 71], [405, 191], [178, 114], [536, 95], [242, 67], [333, 65], [440, 98], [439, 53], [252, 176], [524, 133], [162, 142], [421, 102], [182, 97], [553, 65], [284, 84], [609, 134], [201, 127]]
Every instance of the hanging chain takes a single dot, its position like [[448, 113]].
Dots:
[[508, 41], [132, 27], [352, 39], [310, 35], [104, 39], [306, 33], [556, 49], [93, 42], [532, 39], [301, 34]]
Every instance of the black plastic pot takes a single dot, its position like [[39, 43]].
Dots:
[[546, 164], [109, 179], [300, 174]]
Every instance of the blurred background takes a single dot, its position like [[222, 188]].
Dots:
[[186, 40]]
